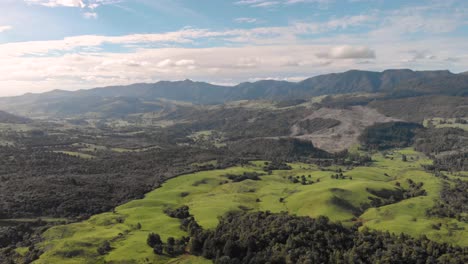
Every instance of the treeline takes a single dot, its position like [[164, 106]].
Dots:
[[285, 149], [446, 146], [35, 182], [25, 234], [254, 176], [264, 237], [389, 135], [385, 197], [453, 201]]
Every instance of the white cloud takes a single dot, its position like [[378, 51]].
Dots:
[[184, 63], [87, 6], [5, 28], [269, 3], [57, 3], [348, 52], [259, 35], [290, 2], [178, 63], [90, 15], [246, 20], [384, 40], [217, 64]]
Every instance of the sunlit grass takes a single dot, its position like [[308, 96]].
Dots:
[[209, 198]]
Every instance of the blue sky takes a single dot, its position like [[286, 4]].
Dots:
[[75, 44]]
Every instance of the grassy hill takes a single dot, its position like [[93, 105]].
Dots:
[[211, 194]]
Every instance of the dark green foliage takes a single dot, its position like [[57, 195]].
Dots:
[[104, 248], [385, 196], [446, 146], [302, 180], [21, 234], [254, 176], [158, 249], [414, 190], [389, 135], [288, 149], [153, 240], [263, 237], [404, 158], [276, 165], [189, 225], [416, 109], [453, 201], [203, 181], [54, 184], [175, 247], [180, 213]]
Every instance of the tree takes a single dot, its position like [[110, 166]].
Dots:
[[158, 249], [104, 248], [153, 240]]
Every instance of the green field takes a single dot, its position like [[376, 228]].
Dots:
[[208, 199]]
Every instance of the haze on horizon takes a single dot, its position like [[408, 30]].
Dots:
[[76, 44]]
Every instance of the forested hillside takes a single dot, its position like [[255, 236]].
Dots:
[[121, 100]]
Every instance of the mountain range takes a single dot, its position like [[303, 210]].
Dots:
[[146, 97]]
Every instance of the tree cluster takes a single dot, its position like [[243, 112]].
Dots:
[[389, 135], [453, 201], [264, 237], [254, 176], [301, 179]]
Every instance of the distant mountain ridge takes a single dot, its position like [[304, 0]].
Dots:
[[135, 97]]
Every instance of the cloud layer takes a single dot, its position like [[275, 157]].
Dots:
[[418, 37], [5, 28]]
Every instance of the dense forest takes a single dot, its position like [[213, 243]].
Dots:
[[264, 237], [453, 201], [446, 146], [389, 135]]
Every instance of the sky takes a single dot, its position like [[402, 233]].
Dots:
[[80, 44]]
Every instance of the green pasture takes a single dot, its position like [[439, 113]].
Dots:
[[209, 197]]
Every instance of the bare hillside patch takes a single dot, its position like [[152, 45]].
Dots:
[[352, 121]]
